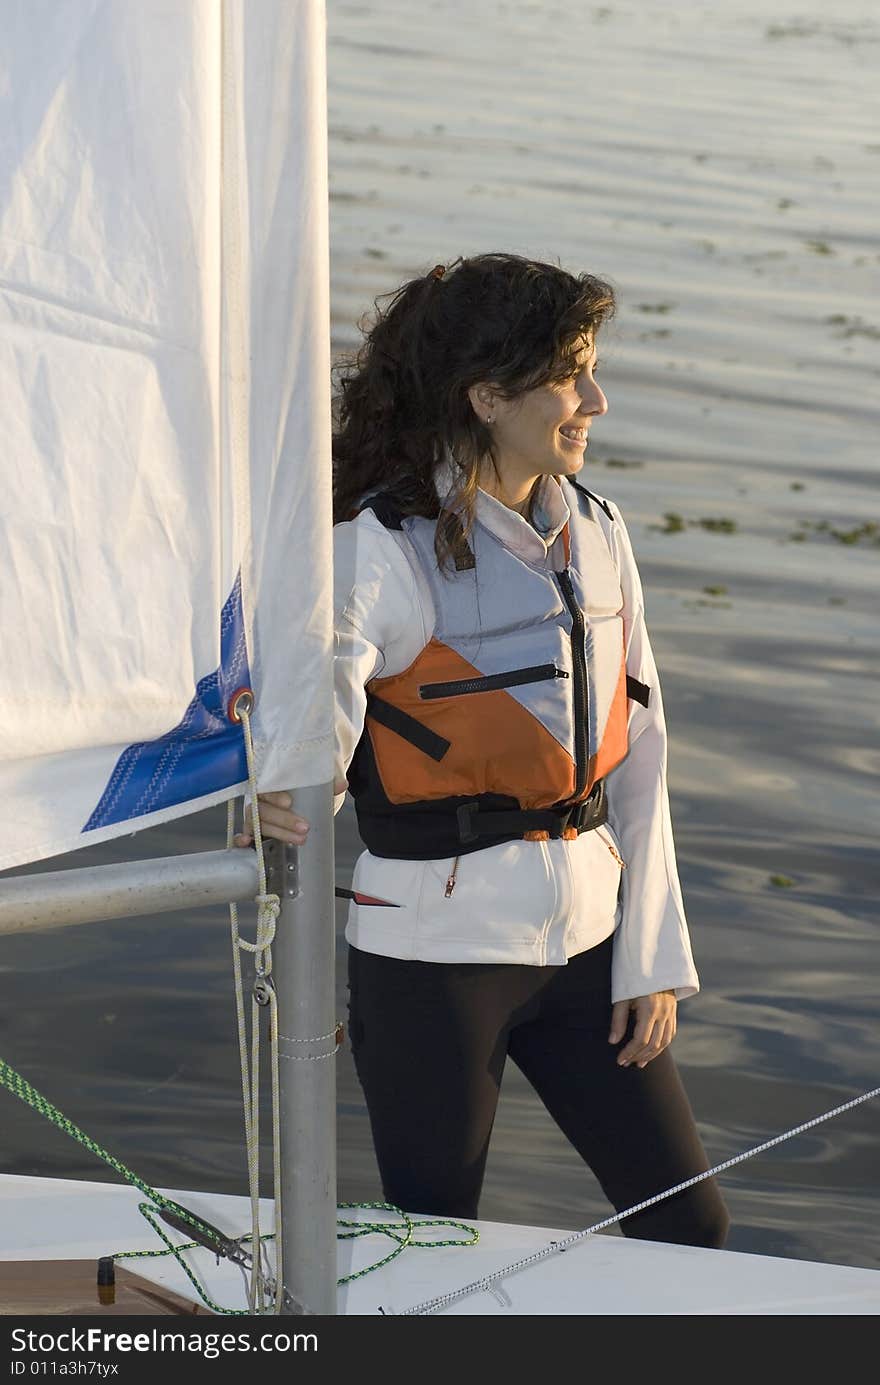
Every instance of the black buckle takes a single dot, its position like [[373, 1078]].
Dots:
[[582, 813], [575, 817]]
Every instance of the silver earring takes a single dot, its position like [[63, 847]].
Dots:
[[488, 420]]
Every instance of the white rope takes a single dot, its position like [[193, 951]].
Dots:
[[268, 909], [434, 1305]]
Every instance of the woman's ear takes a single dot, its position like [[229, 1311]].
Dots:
[[482, 401]]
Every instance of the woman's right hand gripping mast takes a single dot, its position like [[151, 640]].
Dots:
[[278, 819]]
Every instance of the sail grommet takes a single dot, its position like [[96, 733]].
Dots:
[[242, 700]]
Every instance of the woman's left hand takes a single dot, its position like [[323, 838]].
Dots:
[[654, 1027]]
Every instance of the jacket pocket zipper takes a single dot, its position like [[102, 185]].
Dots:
[[450, 882], [615, 853], [537, 674]]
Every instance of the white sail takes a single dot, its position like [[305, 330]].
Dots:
[[165, 521]]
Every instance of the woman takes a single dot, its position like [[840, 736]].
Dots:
[[501, 730]]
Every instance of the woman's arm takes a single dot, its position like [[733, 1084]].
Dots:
[[652, 951]]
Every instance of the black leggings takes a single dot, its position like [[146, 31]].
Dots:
[[430, 1040]]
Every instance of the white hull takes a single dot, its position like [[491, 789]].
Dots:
[[60, 1219]]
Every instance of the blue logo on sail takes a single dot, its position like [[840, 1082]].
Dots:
[[203, 753]]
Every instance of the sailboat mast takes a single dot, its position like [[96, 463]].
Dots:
[[303, 969]]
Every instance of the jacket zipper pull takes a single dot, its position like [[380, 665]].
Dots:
[[450, 883], [618, 858]]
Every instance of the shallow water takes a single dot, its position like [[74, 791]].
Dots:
[[720, 167]]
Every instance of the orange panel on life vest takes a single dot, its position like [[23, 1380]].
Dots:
[[615, 741], [496, 745]]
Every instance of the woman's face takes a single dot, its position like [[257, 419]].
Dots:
[[545, 431]]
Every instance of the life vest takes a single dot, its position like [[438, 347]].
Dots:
[[507, 722]]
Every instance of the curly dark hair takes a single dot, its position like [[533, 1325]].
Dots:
[[403, 404]]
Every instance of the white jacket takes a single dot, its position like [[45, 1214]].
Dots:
[[542, 902]]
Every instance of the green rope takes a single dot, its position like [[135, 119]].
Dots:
[[20, 1087], [402, 1235]]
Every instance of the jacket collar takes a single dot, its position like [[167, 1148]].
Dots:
[[551, 514]]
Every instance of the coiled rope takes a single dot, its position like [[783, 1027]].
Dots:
[[434, 1305]]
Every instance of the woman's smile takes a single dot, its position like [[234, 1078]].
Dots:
[[574, 434]]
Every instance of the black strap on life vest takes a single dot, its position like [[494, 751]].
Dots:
[[639, 692], [599, 501], [386, 510], [474, 823], [396, 719]]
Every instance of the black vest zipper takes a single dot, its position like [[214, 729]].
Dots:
[[581, 689], [536, 674]]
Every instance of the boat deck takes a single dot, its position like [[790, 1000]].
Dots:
[[62, 1219]]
